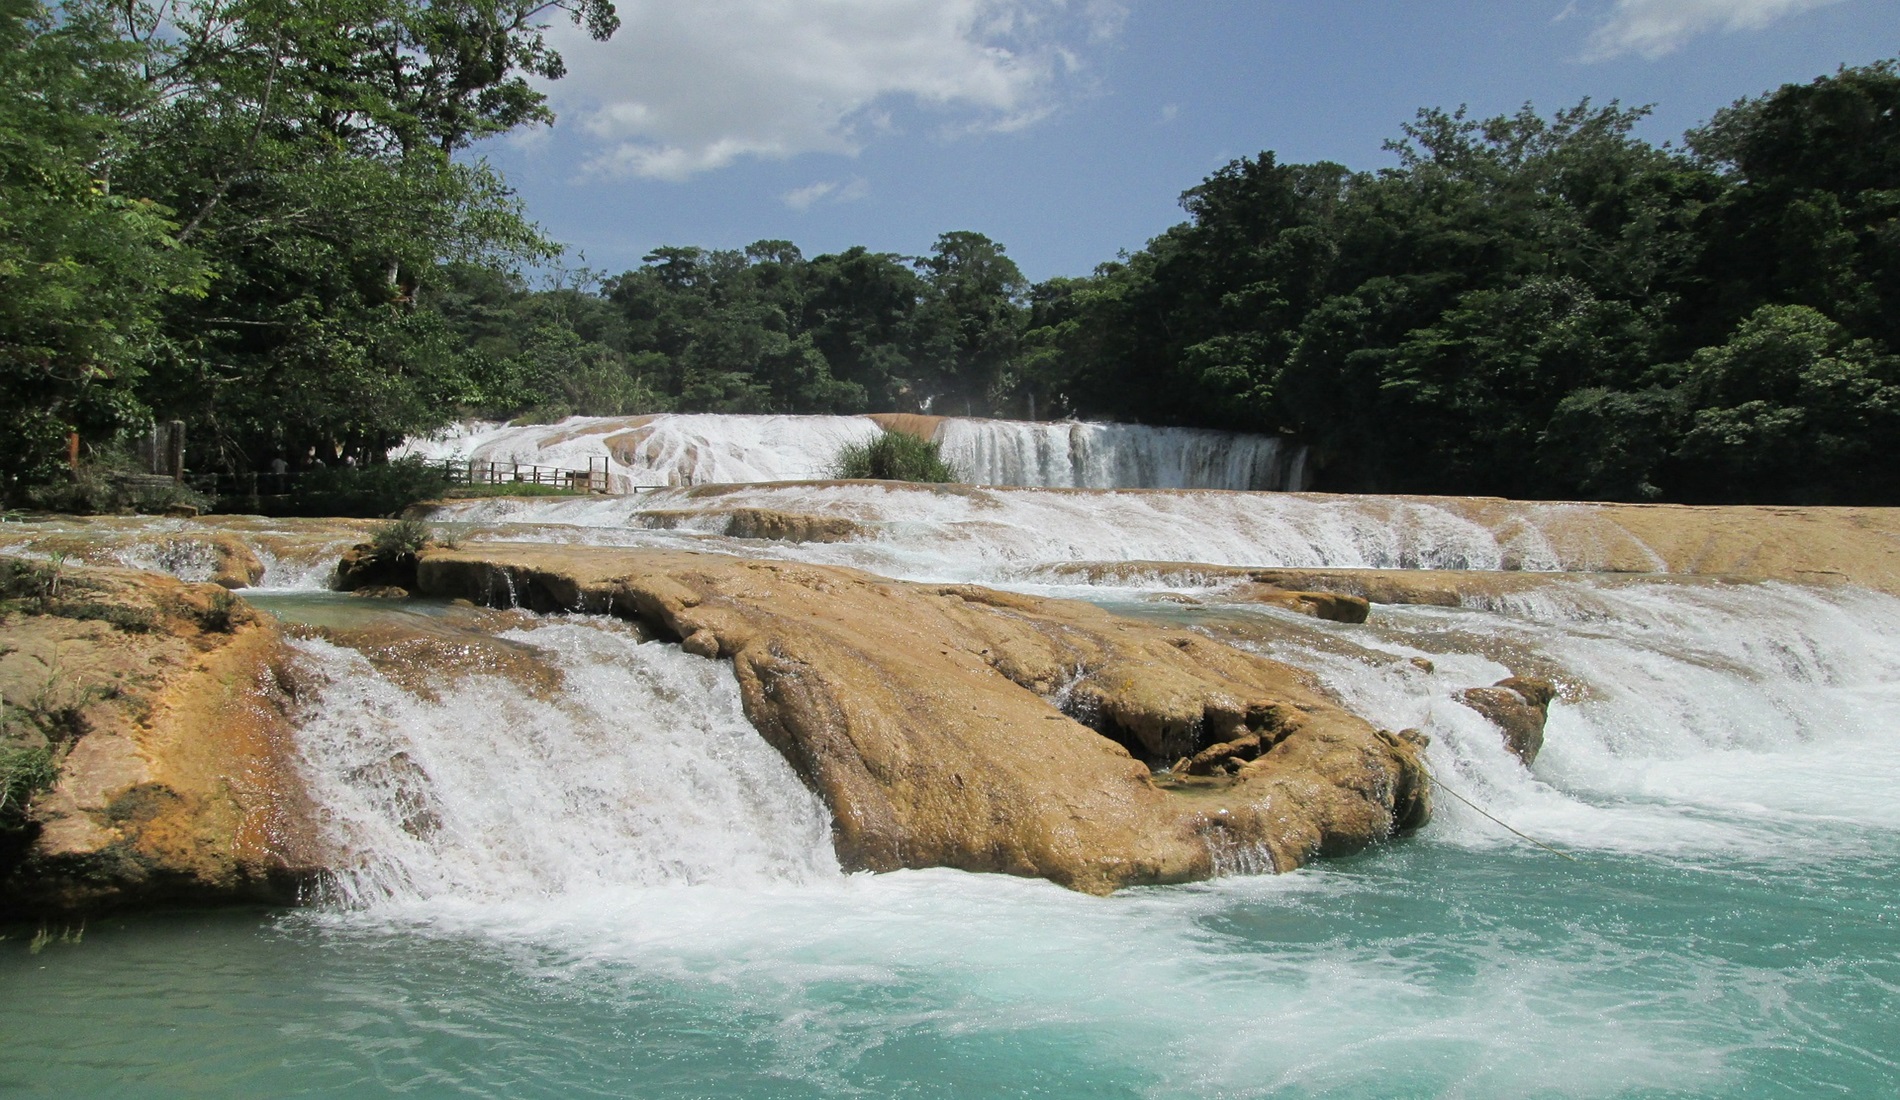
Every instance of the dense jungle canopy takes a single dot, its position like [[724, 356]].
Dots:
[[262, 218]]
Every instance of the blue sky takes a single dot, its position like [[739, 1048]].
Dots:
[[1067, 129]]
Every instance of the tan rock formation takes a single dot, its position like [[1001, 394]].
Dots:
[[238, 565], [364, 567], [762, 523], [164, 706], [1431, 587], [1339, 607], [1520, 708], [1793, 543], [226, 550], [950, 725], [917, 424]]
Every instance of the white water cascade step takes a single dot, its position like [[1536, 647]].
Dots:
[[709, 448]]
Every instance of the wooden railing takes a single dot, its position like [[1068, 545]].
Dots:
[[483, 472]]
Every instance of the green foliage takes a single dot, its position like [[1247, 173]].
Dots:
[[25, 771], [380, 489], [512, 489], [1530, 306], [85, 268], [894, 456], [49, 588], [36, 581], [112, 482], [251, 217], [1791, 408], [236, 215], [400, 538], [1610, 444]]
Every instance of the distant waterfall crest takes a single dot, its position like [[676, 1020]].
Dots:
[[703, 448], [1079, 455]]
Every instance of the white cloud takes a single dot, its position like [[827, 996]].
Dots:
[[1653, 28], [689, 86], [833, 191]]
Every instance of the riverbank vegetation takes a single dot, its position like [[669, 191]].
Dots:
[[261, 220], [894, 456]]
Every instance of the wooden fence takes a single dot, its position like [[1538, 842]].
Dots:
[[483, 472]]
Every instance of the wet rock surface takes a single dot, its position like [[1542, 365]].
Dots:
[[760, 523], [1520, 707], [161, 711], [953, 725]]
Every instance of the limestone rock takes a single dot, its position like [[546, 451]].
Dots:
[[362, 567], [917, 424], [1339, 607], [381, 592], [952, 725], [1519, 706], [238, 566], [163, 705], [760, 523]]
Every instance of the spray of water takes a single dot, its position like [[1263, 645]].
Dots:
[[640, 770]]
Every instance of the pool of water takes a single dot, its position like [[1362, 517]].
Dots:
[[1418, 969]]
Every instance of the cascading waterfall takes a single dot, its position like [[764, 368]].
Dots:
[[1003, 535], [1686, 722], [614, 887], [712, 448], [1076, 455], [639, 770]]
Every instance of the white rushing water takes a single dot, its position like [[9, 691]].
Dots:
[[667, 449], [616, 888], [921, 533], [640, 770], [1076, 455], [1749, 720], [631, 840], [713, 448]]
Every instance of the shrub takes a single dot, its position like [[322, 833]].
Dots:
[[403, 537], [894, 456], [25, 770], [112, 483], [512, 489], [382, 489]]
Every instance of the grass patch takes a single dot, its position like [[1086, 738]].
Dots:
[[25, 771], [513, 489], [894, 456], [403, 537], [131, 620]]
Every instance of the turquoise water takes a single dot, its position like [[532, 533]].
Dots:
[[1421, 969], [619, 890]]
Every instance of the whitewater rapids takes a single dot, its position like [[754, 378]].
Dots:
[[711, 448]]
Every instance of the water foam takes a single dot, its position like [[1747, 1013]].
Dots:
[[1079, 455], [1696, 719], [726, 449], [640, 770], [996, 534]]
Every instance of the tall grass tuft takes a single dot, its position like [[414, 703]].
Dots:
[[400, 538], [894, 456]]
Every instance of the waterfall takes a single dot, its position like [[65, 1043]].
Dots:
[[998, 535], [1691, 718], [708, 448], [639, 769], [1078, 455], [666, 449]]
